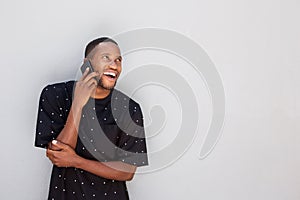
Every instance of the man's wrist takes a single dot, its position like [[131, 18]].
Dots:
[[76, 108], [78, 162]]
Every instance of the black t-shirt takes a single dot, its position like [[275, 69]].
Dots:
[[111, 129]]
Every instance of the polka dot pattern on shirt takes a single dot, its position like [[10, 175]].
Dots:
[[55, 102]]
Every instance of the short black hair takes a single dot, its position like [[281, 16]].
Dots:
[[92, 44]]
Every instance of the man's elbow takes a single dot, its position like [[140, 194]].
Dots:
[[126, 176], [125, 172], [130, 176]]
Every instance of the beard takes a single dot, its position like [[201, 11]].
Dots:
[[106, 86]]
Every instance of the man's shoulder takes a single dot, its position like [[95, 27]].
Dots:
[[58, 88], [60, 85]]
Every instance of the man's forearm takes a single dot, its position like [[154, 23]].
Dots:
[[69, 133], [110, 170]]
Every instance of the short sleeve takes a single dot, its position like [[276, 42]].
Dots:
[[133, 148], [52, 114]]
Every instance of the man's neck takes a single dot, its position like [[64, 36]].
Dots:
[[100, 93]]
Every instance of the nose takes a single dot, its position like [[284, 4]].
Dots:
[[113, 65]]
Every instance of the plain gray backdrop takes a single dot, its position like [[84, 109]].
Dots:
[[255, 47]]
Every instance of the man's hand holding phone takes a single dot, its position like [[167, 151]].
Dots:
[[87, 64], [86, 85]]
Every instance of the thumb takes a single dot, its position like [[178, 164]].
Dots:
[[58, 144]]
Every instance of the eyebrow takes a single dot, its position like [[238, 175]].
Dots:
[[104, 54]]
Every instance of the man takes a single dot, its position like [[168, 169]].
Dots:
[[93, 133]]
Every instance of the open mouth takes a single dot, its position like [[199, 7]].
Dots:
[[110, 75]]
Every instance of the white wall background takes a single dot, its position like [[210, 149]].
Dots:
[[255, 46]]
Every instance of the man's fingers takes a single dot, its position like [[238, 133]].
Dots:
[[92, 83], [58, 144], [85, 73], [47, 153], [90, 76], [50, 154]]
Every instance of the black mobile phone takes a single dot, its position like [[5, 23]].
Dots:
[[87, 64]]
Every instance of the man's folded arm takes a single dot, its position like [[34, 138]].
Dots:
[[66, 157]]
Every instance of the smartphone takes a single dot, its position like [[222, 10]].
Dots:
[[87, 64]]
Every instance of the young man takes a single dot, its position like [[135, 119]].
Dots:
[[93, 133]]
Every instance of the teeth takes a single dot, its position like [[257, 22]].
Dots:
[[110, 74]]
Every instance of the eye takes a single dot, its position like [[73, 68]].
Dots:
[[106, 58], [119, 60]]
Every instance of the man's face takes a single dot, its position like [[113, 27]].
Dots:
[[107, 61]]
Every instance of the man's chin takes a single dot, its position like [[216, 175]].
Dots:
[[106, 86]]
